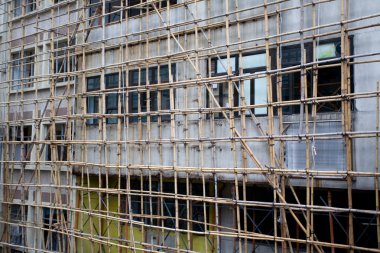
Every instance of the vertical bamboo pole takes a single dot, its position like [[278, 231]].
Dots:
[[346, 114], [242, 102], [120, 120], [377, 165], [269, 93], [331, 221]]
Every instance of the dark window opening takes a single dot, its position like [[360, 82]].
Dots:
[[18, 216], [329, 78], [112, 99], [93, 84], [19, 151], [53, 220], [260, 219], [329, 84], [196, 209], [144, 207], [143, 8], [114, 12], [61, 148], [148, 208]]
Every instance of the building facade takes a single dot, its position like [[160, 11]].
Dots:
[[189, 126]]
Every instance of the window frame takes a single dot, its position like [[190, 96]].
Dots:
[[48, 237], [15, 219], [15, 134], [237, 99], [139, 97], [62, 149], [130, 12], [294, 109], [18, 7], [112, 95], [253, 83], [94, 98], [61, 58], [24, 66]]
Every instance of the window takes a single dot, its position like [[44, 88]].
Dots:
[[93, 84], [22, 69], [60, 135], [329, 78], [138, 100], [112, 81], [63, 63], [255, 90], [19, 151], [115, 14], [30, 5], [113, 11], [142, 8], [17, 216], [291, 82], [113, 8], [54, 220], [17, 8]]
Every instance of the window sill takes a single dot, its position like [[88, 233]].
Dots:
[[134, 17], [43, 87], [28, 89], [27, 15]]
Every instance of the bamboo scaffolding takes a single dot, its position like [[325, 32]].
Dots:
[[177, 157]]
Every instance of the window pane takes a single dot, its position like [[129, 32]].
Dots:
[[165, 100], [164, 74], [93, 83], [16, 75], [247, 93], [113, 7], [111, 102], [222, 66], [62, 63], [92, 104], [92, 107], [254, 61], [112, 81], [30, 5], [17, 8], [133, 11], [261, 95], [134, 100], [326, 51], [111, 107], [291, 55]]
